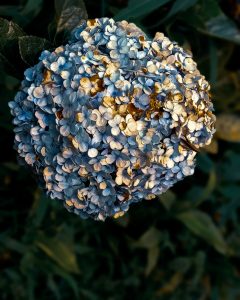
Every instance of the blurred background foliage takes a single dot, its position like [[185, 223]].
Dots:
[[184, 245]]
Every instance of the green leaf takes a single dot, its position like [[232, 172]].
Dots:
[[229, 210], [179, 6], [228, 127], [69, 14], [213, 61], [222, 27], [171, 285], [22, 14], [39, 208], [208, 18], [9, 31], [137, 9], [9, 54], [59, 251], [209, 9], [53, 286], [152, 259], [12, 244], [31, 46], [11, 11], [167, 199], [202, 225], [6, 65], [205, 163], [181, 263], [149, 239], [205, 193], [216, 23], [30, 285], [32, 8], [69, 279], [199, 260], [229, 167]]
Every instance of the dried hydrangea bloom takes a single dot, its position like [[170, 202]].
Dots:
[[112, 117]]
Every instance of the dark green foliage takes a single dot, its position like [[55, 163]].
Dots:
[[69, 14], [185, 245], [30, 47]]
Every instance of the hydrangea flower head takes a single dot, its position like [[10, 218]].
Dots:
[[112, 117]]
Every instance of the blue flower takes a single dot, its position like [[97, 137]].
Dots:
[[118, 47], [102, 119]]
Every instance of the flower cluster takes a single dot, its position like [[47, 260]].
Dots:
[[112, 117]]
